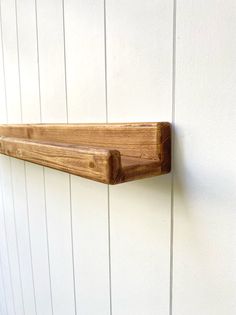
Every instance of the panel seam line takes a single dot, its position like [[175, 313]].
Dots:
[[108, 187], [172, 158]]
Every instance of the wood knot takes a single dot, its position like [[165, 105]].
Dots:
[[91, 164]]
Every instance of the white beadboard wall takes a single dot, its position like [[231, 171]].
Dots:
[[164, 245]]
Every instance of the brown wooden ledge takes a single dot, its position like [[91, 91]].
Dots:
[[108, 153]]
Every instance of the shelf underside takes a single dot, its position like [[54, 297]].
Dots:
[[108, 153]]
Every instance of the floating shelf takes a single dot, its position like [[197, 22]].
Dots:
[[107, 153]]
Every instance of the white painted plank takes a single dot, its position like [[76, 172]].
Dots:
[[17, 168], [28, 61], [140, 230], [57, 188], [139, 61], [3, 306], [5, 266], [51, 58], [23, 237], [9, 38], [59, 235], [84, 21], [34, 189], [84, 30], [3, 109], [9, 41], [11, 237], [90, 231], [38, 233], [205, 158]]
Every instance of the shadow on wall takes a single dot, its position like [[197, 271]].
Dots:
[[204, 224]]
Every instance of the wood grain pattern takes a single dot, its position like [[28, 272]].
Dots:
[[108, 153]]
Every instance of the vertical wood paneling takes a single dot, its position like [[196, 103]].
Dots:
[[139, 65], [9, 38], [11, 237], [17, 168], [90, 230], [23, 239], [139, 60], [57, 187], [5, 266], [51, 60], [34, 185], [38, 237], [28, 61], [85, 63], [205, 180], [59, 237], [3, 108], [72, 246], [84, 21], [12, 83], [3, 306], [140, 229]]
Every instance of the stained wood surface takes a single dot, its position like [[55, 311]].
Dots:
[[108, 153]]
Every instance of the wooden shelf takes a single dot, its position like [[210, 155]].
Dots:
[[107, 153]]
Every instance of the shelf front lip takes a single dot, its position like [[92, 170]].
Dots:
[[98, 164], [95, 162]]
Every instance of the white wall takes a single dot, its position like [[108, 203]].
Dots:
[[165, 245]]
